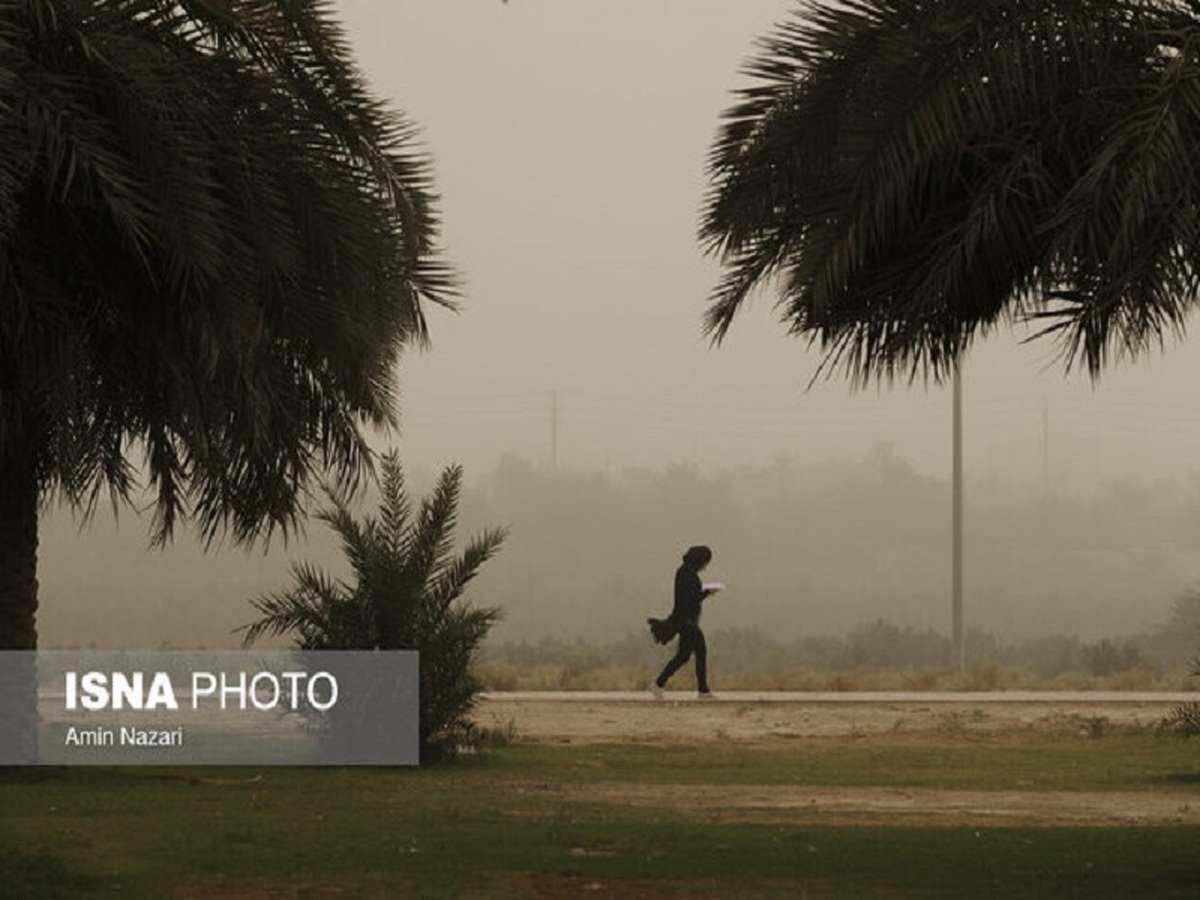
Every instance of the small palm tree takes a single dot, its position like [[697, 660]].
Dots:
[[1184, 720], [403, 596]]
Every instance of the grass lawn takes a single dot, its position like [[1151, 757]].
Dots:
[[502, 824]]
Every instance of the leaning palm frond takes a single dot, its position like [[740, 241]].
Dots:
[[319, 610], [453, 576], [357, 538], [432, 535], [913, 173], [224, 241]]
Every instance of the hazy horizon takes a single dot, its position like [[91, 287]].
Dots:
[[807, 549]]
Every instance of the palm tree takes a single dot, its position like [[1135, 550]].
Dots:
[[213, 244], [1184, 719], [914, 173], [404, 596]]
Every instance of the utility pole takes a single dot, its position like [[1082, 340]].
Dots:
[[554, 430], [956, 585], [1045, 447]]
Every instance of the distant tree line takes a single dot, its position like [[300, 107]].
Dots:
[[806, 549], [874, 655], [821, 548]]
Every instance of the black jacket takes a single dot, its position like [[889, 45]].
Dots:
[[689, 595]]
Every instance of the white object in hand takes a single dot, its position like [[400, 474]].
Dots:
[[713, 586]]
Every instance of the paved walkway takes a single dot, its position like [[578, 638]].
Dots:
[[973, 697], [595, 716]]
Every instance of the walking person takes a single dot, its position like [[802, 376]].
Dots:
[[684, 621]]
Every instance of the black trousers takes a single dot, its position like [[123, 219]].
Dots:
[[691, 641]]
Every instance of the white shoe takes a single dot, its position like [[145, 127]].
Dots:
[[706, 695], [656, 690]]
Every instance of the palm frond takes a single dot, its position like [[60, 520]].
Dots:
[[312, 610], [454, 577], [913, 173], [432, 535], [214, 242], [395, 510], [359, 539]]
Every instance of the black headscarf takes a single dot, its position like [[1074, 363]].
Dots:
[[696, 557]]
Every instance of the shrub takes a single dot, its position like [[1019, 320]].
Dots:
[[405, 595], [1107, 657], [1184, 720]]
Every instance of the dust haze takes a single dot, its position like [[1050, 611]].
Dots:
[[595, 419], [805, 550]]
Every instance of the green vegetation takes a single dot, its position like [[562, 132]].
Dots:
[[406, 595], [1132, 759], [1184, 720], [517, 821], [875, 656]]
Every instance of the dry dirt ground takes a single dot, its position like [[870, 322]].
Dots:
[[751, 719]]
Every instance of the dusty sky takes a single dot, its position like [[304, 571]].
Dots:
[[569, 138]]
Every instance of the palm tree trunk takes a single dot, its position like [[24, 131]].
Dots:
[[18, 606]]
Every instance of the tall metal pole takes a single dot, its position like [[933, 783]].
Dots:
[[956, 585], [554, 430], [1045, 448]]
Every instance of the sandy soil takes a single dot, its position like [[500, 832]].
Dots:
[[627, 717], [609, 718]]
